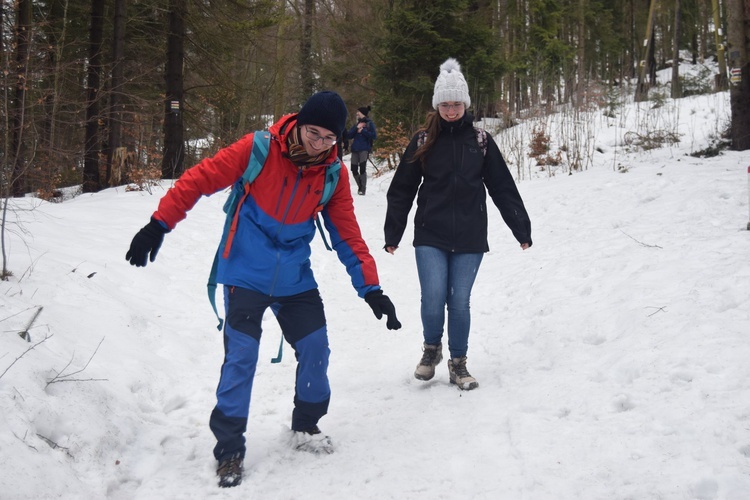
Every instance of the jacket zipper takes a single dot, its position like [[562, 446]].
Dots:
[[455, 182], [281, 226], [281, 195], [302, 201]]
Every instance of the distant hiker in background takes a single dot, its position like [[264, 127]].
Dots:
[[452, 166], [362, 135], [264, 262]]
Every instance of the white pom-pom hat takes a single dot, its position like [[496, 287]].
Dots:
[[450, 85]]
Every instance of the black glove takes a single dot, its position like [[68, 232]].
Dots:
[[147, 240], [380, 305]]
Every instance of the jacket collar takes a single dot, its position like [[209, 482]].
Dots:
[[466, 120], [285, 126]]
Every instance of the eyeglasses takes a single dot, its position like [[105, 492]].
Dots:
[[446, 106], [314, 137]]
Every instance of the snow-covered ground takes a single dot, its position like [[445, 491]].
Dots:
[[612, 356]]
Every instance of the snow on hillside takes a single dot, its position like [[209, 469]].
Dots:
[[612, 356]]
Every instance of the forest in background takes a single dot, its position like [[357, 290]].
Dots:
[[104, 93]]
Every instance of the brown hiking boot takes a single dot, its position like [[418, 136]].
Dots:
[[431, 356], [230, 471], [460, 375]]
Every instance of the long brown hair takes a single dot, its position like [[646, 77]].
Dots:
[[432, 128]]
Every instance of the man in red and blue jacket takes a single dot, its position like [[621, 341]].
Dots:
[[265, 262]]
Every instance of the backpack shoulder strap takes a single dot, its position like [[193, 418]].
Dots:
[[258, 155], [261, 144], [482, 139], [421, 138], [332, 179]]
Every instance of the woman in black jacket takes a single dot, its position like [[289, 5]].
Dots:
[[450, 166]]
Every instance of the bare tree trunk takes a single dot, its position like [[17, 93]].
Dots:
[[651, 62], [23, 39], [306, 63], [115, 112], [512, 36], [632, 51], [721, 82], [6, 139], [676, 87], [738, 32], [641, 92], [279, 72], [58, 20], [581, 73], [4, 72], [694, 48], [174, 147], [91, 181], [4, 187], [706, 21]]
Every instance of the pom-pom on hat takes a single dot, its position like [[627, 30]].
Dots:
[[450, 85], [364, 110], [325, 109]]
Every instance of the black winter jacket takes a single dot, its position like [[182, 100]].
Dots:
[[451, 205]]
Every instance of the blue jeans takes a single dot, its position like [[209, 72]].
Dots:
[[446, 279]]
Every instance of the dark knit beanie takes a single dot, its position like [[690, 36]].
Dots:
[[364, 110], [325, 109]]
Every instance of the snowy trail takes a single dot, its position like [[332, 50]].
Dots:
[[611, 356]]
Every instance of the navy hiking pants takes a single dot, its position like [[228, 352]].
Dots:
[[303, 325]]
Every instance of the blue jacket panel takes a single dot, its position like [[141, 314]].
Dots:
[[362, 141]]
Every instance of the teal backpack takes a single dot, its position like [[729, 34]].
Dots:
[[261, 145]]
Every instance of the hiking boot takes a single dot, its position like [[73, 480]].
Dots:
[[460, 375], [431, 356], [230, 471], [312, 441]]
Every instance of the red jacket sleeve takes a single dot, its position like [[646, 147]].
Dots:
[[346, 237], [205, 178]]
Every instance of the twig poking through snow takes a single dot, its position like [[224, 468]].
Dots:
[[658, 309], [25, 333], [22, 355], [54, 445], [66, 378], [639, 242]]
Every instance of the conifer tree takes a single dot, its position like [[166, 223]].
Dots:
[[419, 36]]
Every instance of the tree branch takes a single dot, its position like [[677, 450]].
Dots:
[[25, 333], [66, 378], [22, 355], [54, 445], [658, 309], [639, 242]]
